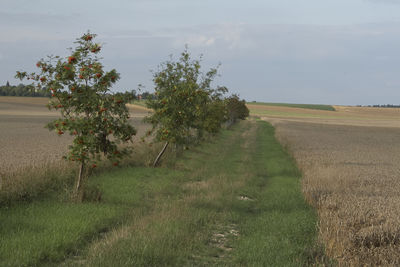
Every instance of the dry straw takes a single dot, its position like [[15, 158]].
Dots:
[[351, 175]]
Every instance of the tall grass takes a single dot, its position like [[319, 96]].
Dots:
[[36, 182], [42, 180]]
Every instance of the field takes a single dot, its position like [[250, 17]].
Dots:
[[349, 160], [31, 156], [306, 106], [24, 141]]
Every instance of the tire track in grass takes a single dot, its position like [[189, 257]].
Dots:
[[235, 201]]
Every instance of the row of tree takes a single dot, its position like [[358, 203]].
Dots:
[[381, 106], [22, 90], [185, 105]]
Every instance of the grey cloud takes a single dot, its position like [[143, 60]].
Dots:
[[282, 63], [27, 18], [383, 1]]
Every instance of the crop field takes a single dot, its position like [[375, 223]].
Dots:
[[307, 106], [350, 165], [24, 141], [343, 115]]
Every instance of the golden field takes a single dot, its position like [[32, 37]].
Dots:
[[351, 173], [26, 144]]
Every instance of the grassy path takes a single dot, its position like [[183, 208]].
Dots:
[[233, 202]]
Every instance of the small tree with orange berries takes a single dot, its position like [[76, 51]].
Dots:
[[97, 118]]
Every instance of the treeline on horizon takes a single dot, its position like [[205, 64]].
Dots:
[[23, 90], [380, 106], [31, 91]]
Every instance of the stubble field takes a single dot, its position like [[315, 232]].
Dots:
[[351, 174], [24, 142]]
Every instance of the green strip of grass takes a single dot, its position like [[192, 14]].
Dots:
[[234, 201], [307, 106], [278, 227], [141, 103], [46, 230]]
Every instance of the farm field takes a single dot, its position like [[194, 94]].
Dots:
[[349, 160], [344, 115], [24, 141], [350, 164], [306, 106]]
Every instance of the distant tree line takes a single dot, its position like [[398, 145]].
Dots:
[[146, 95], [381, 106], [32, 91], [22, 90]]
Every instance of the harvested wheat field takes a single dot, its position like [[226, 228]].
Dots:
[[351, 174], [26, 144]]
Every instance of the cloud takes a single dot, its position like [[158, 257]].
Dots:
[[228, 36], [34, 26], [383, 1], [293, 63], [194, 40]]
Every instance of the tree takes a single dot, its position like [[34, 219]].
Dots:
[[212, 112], [182, 101], [80, 90], [236, 109]]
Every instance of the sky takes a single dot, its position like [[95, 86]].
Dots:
[[343, 52]]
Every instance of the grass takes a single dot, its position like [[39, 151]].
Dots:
[[234, 201], [47, 230], [278, 226], [306, 106], [141, 103]]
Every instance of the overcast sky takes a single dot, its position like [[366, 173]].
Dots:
[[305, 51]]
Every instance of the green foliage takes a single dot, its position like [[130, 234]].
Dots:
[[80, 90], [236, 108], [185, 104]]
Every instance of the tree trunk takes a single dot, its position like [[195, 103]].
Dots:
[[79, 183], [160, 154]]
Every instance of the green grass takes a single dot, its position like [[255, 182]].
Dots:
[[141, 103], [307, 106], [46, 230], [192, 214], [279, 227], [264, 112]]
